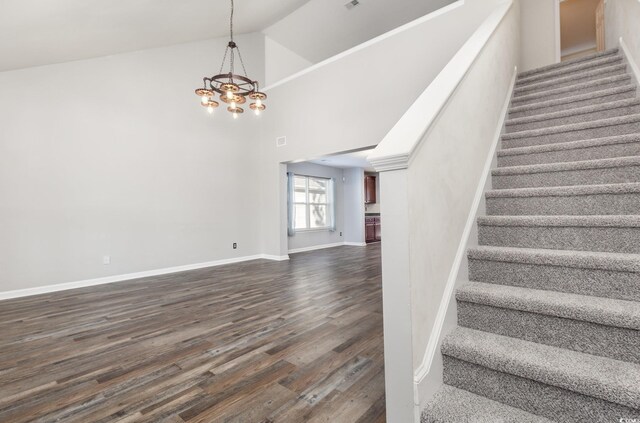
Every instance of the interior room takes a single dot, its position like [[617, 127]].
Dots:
[[345, 211]]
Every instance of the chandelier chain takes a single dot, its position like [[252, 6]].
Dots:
[[231, 21]]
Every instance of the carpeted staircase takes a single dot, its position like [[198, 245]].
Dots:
[[549, 326]]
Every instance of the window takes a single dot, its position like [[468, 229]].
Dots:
[[311, 202]]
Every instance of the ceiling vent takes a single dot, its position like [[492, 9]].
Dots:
[[352, 4]]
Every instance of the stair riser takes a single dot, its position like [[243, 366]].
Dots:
[[613, 175], [585, 134], [577, 335], [566, 120], [545, 96], [578, 154], [569, 80], [603, 239], [595, 282], [573, 105], [562, 73], [557, 66], [538, 398], [596, 204]]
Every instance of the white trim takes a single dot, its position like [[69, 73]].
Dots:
[[315, 247], [130, 276], [396, 149], [366, 44], [557, 32], [356, 244], [632, 63], [433, 346]]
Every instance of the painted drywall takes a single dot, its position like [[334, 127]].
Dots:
[[539, 36], [281, 62], [320, 113], [374, 207], [442, 181], [354, 206], [307, 239], [115, 156], [320, 28], [622, 18]]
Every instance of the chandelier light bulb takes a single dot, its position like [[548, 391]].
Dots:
[[258, 103], [233, 104], [210, 109], [235, 115], [205, 99], [230, 94], [257, 112]]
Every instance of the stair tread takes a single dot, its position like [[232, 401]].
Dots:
[[573, 99], [567, 166], [574, 67], [568, 78], [625, 188], [600, 123], [568, 63], [575, 112], [570, 145], [604, 311], [605, 378], [617, 262], [606, 221], [457, 405], [572, 88]]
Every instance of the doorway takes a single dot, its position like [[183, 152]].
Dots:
[[581, 28]]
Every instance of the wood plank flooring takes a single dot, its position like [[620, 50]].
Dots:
[[261, 341]]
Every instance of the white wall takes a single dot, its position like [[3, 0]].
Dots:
[[622, 19], [281, 62], [321, 112], [307, 239], [115, 156], [354, 206], [539, 36]]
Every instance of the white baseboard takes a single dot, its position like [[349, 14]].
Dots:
[[316, 247], [630, 60], [356, 244], [130, 276]]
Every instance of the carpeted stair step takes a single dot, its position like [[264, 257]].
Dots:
[[582, 114], [572, 200], [588, 172], [599, 326], [556, 383], [599, 148], [452, 405], [607, 275], [573, 132], [612, 234], [568, 64], [578, 88], [573, 102], [567, 80], [572, 69]]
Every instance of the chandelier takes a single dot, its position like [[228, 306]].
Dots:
[[233, 88]]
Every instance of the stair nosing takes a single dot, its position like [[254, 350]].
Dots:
[[570, 145], [562, 221], [567, 78], [599, 377], [570, 88], [603, 311], [533, 169], [576, 67], [572, 127], [568, 191], [612, 105], [568, 63]]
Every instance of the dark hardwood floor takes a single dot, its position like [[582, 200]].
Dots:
[[261, 341]]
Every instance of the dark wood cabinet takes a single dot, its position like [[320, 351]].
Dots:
[[372, 230], [370, 189]]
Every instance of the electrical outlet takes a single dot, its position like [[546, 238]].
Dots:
[[235, 245], [106, 260]]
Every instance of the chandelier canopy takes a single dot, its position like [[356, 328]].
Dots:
[[233, 88]]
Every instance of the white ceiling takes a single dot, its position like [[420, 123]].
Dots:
[[346, 161], [322, 28], [578, 24], [37, 32]]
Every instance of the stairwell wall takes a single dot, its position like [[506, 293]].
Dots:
[[622, 21]]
